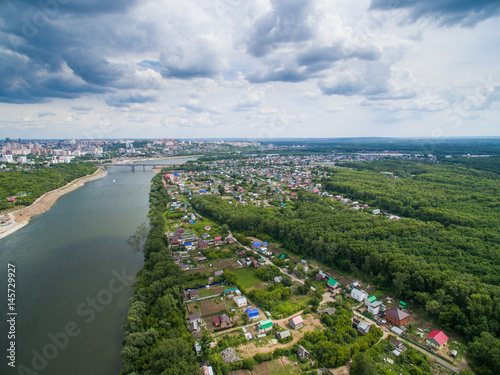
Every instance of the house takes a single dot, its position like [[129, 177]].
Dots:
[[397, 317], [241, 301], [193, 294], [195, 318], [197, 347], [218, 238], [283, 334], [320, 276], [252, 314], [231, 290], [194, 327], [202, 245], [330, 311], [217, 321], [277, 279], [205, 236], [265, 325], [202, 259], [370, 299], [183, 266], [207, 370], [363, 327], [436, 339], [218, 273], [358, 295], [302, 353], [332, 284], [374, 307], [256, 244], [296, 322], [229, 240], [225, 321]]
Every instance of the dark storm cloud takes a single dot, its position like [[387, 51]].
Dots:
[[445, 12], [54, 49], [91, 67]]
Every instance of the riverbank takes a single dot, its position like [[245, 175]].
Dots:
[[22, 216]]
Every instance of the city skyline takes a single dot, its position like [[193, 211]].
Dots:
[[260, 70]]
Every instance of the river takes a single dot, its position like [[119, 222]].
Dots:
[[73, 269]]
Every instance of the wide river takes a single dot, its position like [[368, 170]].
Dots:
[[73, 269]]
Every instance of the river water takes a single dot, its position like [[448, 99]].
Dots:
[[73, 278]]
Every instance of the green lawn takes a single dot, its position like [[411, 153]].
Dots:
[[247, 277], [205, 292]]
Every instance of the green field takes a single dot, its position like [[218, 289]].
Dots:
[[247, 277]]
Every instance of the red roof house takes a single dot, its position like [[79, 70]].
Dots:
[[436, 339]]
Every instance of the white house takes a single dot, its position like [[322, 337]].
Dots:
[[241, 301], [374, 307], [358, 295]]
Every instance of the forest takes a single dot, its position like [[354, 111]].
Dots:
[[27, 186], [443, 256], [156, 340]]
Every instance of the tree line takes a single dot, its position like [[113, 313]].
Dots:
[[156, 340], [38, 181]]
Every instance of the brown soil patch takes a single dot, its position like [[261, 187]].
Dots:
[[310, 324]]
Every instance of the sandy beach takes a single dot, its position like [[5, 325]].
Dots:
[[22, 216]]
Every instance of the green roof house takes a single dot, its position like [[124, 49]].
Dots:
[[370, 299], [265, 325], [332, 283]]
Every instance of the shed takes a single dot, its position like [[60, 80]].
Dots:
[[363, 327], [283, 334], [302, 352], [330, 311]]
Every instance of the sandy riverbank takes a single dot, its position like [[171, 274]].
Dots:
[[22, 216]]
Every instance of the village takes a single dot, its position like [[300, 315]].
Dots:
[[231, 278]]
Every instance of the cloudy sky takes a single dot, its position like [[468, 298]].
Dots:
[[249, 68]]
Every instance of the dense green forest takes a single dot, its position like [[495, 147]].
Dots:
[[439, 147], [38, 181], [443, 257], [156, 340]]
